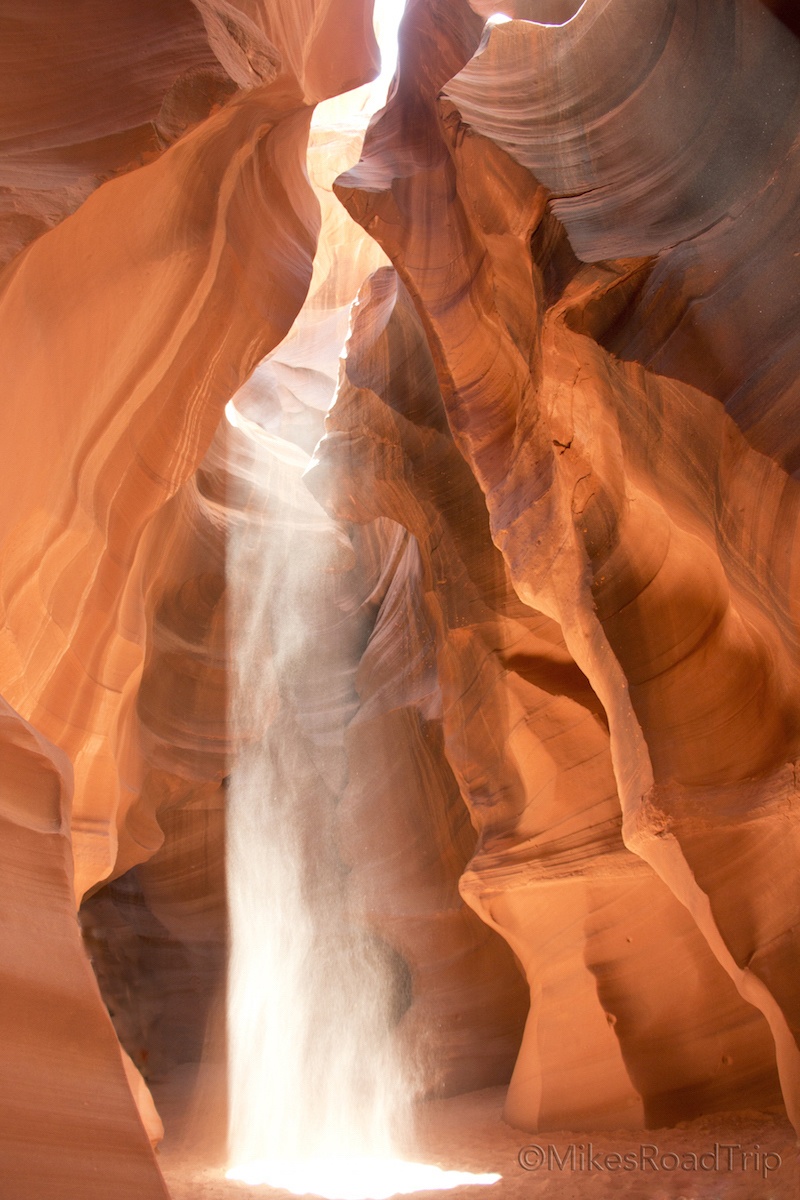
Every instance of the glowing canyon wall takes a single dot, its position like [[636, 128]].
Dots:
[[560, 464]]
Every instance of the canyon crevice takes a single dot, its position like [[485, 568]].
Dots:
[[523, 383]]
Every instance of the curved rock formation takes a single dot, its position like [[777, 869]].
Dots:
[[628, 506], [685, 147], [357, 742], [406, 835], [560, 462], [93, 92], [136, 409], [160, 259], [125, 329], [65, 1089], [595, 929]]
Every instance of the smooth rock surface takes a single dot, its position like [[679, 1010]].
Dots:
[[559, 482], [69, 1126], [528, 742], [628, 507]]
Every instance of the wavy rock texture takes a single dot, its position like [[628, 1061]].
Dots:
[[137, 407], [406, 836], [289, 392], [360, 743], [92, 92], [528, 742], [125, 329], [65, 1092], [685, 147], [563, 493], [157, 936], [400, 825], [141, 372], [628, 506]]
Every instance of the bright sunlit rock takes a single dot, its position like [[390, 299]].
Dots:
[[354, 1178]]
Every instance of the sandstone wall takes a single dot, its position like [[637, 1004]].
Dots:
[[562, 456]]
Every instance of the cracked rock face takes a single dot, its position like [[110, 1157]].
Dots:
[[560, 471]]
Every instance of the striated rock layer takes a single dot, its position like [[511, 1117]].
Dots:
[[188, 271], [91, 92], [127, 322], [64, 1082], [560, 464], [686, 149], [628, 507], [595, 929]]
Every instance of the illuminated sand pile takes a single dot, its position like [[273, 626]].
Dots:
[[358, 1178]]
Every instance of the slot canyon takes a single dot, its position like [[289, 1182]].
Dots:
[[400, 601]]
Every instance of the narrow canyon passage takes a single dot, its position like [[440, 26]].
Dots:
[[399, 643]]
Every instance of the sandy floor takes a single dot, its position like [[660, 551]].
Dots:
[[467, 1134]]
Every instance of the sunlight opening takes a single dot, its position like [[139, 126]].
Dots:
[[364, 101]]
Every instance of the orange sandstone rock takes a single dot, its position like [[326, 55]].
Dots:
[[528, 742], [567, 449], [68, 1122], [125, 328], [628, 506], [137, 389]]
